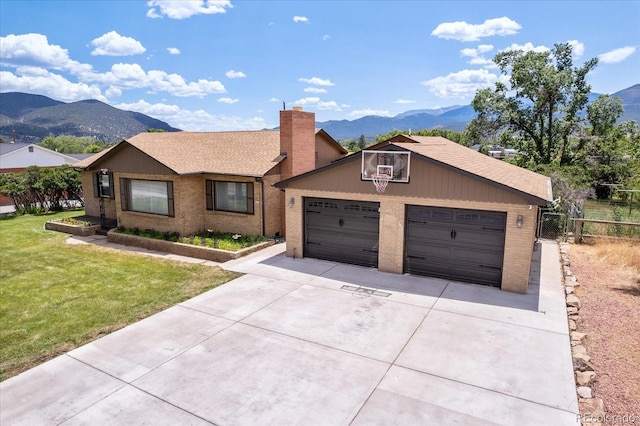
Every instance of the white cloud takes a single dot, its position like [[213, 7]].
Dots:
[[274, 100], [235, 74], [316, 81], [33, 57], [577, 48], [617, 55], [463, 31], [326, 37], [315, 90], [329, 105], [133, 76], [51, 85], [315, 102], [197, 121], [186, 8], [461, 84], [363, 112], [34, 50], [297, 19], [476, 55], [113, 44], [307, 101], [173, 50], [404, 101], [527, 47], [228, 100]]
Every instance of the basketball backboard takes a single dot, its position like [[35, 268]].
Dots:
[[395, 164]]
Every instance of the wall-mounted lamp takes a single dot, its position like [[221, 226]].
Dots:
[[519, 220], [292, 201]]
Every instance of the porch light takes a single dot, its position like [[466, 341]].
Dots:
[[519, 220], [292, 201]]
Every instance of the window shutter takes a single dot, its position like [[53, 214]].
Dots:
[[96, 184], [171, 210], [209, 193], [250, 197], [124, 193], [112, 189]]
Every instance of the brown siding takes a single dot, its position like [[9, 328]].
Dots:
[[326, 151], [127, 159], [427, 180]]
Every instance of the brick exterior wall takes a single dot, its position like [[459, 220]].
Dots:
[[191, 215], [518, 247], [91, 202], [298, 140]]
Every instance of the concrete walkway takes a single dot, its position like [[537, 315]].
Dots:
[[304, 341]]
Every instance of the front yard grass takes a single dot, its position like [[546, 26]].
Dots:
[[56, 296]]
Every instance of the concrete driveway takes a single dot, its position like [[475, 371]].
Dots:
[[303, 341]]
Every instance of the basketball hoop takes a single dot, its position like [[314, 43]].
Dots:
[[381, 181]]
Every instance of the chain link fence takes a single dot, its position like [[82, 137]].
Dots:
[[552, 226]]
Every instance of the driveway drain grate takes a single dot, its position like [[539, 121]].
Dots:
[[365, 291]]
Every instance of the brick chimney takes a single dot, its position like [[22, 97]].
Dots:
[[298, 141]]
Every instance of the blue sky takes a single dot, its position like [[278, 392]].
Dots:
[[229, 65]]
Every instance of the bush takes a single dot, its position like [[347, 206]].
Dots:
[[209, 238]]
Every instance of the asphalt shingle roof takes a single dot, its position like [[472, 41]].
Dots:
[[243, 153], [470, 161]]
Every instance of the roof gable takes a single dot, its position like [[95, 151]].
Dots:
[[534, 187]]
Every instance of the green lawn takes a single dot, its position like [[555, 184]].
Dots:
[[55, 296]]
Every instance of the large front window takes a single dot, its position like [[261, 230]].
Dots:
[[148, 196], [231, 196]]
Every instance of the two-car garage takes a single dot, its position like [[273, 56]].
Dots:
[[456, 244], [460, 215]]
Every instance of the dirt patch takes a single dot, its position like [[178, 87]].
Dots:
[[609, 293]]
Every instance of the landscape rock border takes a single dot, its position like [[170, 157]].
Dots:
[[591, 409]]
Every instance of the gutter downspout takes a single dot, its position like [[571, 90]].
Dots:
[[262, 206]]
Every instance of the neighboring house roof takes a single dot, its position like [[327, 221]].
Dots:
[[22, 155], [534, 186], [242, 153]]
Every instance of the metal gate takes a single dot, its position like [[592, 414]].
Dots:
[[552, 226]]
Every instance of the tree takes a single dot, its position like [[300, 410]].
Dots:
[[67, 144], [540, 103], [362, 142]]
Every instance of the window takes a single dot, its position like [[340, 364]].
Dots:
[[103, 185], [230, 196], [147, 196]]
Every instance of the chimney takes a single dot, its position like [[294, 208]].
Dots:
[[298, 141]]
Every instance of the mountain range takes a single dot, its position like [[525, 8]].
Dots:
[[30, 118], [450, 118]]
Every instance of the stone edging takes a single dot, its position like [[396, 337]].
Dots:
[[190, 250], [590, 407], [83, 231]]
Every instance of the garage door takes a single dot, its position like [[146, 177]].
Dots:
[[343, 231], [463, 245]]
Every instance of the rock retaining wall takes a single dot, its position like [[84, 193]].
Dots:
[[590, 408]]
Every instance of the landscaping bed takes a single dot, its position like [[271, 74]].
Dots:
[[183, 249], [74, 226]]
